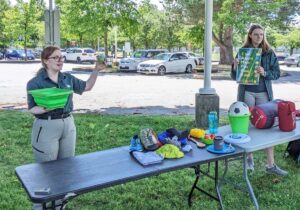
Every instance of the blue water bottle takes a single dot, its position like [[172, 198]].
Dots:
[[213, 122]]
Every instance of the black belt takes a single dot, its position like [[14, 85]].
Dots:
[[54, 117]]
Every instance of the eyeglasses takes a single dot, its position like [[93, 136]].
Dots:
[[57, 58]]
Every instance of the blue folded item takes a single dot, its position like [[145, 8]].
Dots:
[[147, 158], [183, 141], [162, 137]]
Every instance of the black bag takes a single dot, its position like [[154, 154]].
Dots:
[[293, 149]]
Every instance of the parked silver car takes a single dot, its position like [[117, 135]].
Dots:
[[293, 60], [130, 64]]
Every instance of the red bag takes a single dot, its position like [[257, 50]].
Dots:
[[287, 115], [263, 115]]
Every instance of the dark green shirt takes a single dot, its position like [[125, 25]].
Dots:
[[65, 80]]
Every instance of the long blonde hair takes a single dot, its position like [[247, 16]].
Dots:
[[45, 55], [264, 45]]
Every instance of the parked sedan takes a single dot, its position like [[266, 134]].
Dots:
[[167, 62], [281, 59], [19, 54], [293, 60]]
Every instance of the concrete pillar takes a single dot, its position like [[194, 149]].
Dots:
[[204, 104]]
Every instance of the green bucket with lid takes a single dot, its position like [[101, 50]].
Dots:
[[239, 124]]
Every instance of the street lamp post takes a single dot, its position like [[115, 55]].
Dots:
[[207, 100], [52, 25]]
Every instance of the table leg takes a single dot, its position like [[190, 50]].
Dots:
[[250, 189], [219, 182], [198, 172]]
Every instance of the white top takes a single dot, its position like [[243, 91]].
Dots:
[[263, 138]]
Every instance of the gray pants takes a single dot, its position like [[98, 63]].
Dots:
[[252, 99], [53, 139]]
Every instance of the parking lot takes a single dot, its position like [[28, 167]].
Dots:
[[132, 93]]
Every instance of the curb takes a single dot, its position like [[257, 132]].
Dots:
[[90, 69], [20, 61]]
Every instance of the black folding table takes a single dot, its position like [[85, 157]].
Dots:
[[70, 177]]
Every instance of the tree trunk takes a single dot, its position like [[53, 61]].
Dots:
[[226, 55], [224, 41], [80, 40]]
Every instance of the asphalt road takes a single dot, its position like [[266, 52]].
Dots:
[[131, 93]]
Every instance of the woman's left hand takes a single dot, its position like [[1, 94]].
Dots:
[[260, 70]]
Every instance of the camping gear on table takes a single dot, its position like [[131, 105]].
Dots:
[[173, 136], [170, 151], [147, 158], [228, 148], [237, 138], [286, 115], [135, 144], [263, 115], [149, 139], [238, 115], [218, 143], [198, 143], [213, 122], [197, 133]]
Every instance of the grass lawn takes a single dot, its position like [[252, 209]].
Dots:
[[165, 191]]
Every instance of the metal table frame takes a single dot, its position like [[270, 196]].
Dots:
[[260, 139]]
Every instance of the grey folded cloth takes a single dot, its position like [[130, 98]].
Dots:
[[174, 141], [186, 148], [147, 158]]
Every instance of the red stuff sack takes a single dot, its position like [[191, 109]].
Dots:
[[287, 115], [263, 115]]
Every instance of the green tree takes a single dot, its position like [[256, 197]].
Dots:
[[294, 40], [172, 29], [89, 19], [290, 39], [22, 23], [149, 25], [4, 5]]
